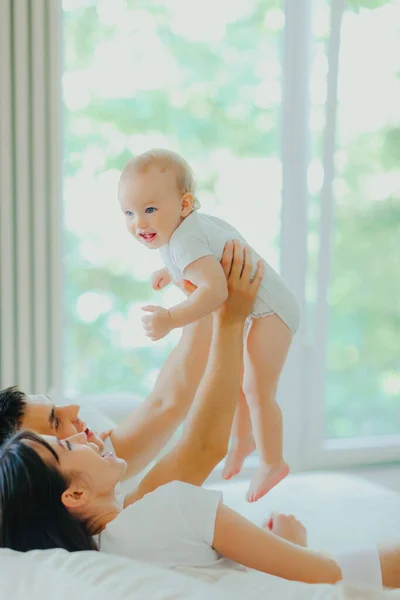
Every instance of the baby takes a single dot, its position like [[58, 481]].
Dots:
[[157, 196]]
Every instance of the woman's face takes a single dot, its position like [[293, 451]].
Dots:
[[78, 457]]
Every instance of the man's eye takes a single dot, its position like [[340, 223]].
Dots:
[[150, 210]]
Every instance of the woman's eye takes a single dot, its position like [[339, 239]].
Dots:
[[150, 210], [56, 423], [68, 444]]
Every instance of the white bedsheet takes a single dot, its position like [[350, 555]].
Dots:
[[340, 512], [58, 575], [252, 585]]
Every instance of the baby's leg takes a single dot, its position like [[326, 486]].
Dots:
[[267, 345], [390, 565], [242, 440]]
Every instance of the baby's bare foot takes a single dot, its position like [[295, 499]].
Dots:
[[265, 478], [236, 456]]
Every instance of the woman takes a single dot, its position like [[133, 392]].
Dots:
[[62, 493]]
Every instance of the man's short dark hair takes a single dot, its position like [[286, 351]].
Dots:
[[12, 409]]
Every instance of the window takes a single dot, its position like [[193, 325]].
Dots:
[[363, 378], [354, 291], [208, 80], [198, 77]]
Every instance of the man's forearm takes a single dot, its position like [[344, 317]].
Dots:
[[209, 422], [149, 427], [208, 425]]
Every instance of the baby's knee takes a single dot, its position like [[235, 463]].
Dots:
[[256, 395]]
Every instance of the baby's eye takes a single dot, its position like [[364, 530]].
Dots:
[[128, 213], [150, 210]]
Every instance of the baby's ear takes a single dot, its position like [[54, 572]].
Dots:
[[187, 204]]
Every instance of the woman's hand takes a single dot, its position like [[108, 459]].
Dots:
[[242, 288], [288, 528]]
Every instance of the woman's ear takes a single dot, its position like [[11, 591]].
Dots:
[[75, 497], [187, 204]]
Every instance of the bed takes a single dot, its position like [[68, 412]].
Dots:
[[340, 512]]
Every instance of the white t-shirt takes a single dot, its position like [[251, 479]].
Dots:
[[171, 527], [202, 235]]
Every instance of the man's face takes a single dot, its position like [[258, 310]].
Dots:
[[42, 416]]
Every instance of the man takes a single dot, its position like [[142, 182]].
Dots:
[[140, 437]]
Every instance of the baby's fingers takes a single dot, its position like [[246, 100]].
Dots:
[[147, 319]]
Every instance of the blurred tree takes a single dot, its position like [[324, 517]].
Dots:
[[210, 104]]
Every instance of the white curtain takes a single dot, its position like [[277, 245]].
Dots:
[[30, 194]]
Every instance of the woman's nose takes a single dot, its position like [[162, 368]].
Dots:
[[78, 438]]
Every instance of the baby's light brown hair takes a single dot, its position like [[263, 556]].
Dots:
[[164, 160]]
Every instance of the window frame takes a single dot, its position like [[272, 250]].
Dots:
[[302, 386]]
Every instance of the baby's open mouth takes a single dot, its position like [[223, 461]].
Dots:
[[147, 237]]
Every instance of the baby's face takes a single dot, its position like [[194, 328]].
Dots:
[[152, 205]]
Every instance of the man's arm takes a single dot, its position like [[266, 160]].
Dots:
[[150, 426], [205, 438]]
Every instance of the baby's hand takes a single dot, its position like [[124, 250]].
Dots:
[[160, 279], [158, 324]]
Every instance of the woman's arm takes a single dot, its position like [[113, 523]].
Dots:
[[207, 429], [240, 540], [208, 276]]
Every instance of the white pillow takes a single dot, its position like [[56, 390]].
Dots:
[[60, 575]]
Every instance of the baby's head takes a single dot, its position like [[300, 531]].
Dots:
[[156, 192]]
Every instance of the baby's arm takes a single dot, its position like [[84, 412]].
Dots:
[[240, 540], [207, 275]]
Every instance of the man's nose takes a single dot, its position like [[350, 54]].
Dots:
[[78, 438], [71, 411]]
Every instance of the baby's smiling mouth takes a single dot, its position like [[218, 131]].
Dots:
[[147, 237]]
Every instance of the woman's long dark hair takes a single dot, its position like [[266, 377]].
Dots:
[[32, 515]]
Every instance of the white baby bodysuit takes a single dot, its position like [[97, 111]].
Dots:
[[202, 235]]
